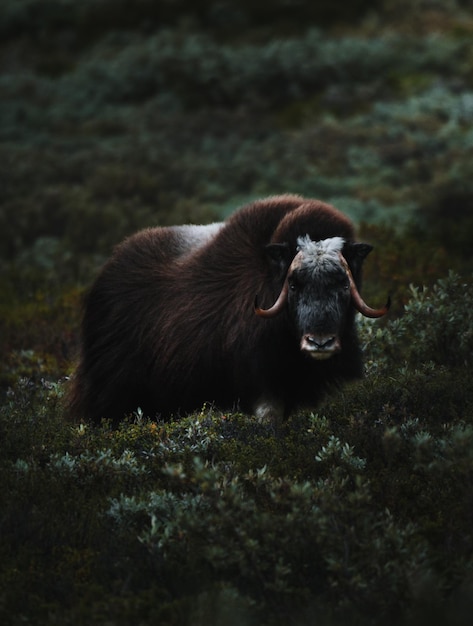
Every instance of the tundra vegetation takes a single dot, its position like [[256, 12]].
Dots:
[[120, 115]]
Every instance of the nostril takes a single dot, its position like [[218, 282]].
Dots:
[[320, 342], [328, 342], [312, 340], [320, 346]]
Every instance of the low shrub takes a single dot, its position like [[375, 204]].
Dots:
[[358, 512], [437, 327]]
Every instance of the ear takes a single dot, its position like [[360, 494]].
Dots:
[[279, 255], [355, 254], [358, 251]]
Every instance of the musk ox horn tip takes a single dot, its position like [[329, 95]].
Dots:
[[257, 309], [374, 313], [255, 305], [277, 306], [265, 313]]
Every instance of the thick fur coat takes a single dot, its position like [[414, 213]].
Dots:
[[169, 323]]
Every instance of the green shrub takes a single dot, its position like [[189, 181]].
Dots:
[[198, 72], [437, 327], [280, 541], [357, 511]]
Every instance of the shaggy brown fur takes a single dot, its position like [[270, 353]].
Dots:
[[169, 323]]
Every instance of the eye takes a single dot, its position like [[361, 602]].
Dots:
[[340, 284], [293, 283]]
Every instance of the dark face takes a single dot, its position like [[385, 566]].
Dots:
[[320, 291], [319, 297]]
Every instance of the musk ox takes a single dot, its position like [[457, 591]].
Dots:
[[255, 313]]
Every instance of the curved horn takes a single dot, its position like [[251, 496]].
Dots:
[[358, 302], [277, 306]]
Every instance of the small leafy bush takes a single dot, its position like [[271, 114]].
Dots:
[[437, 327], [362, 509], [280, 541]]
